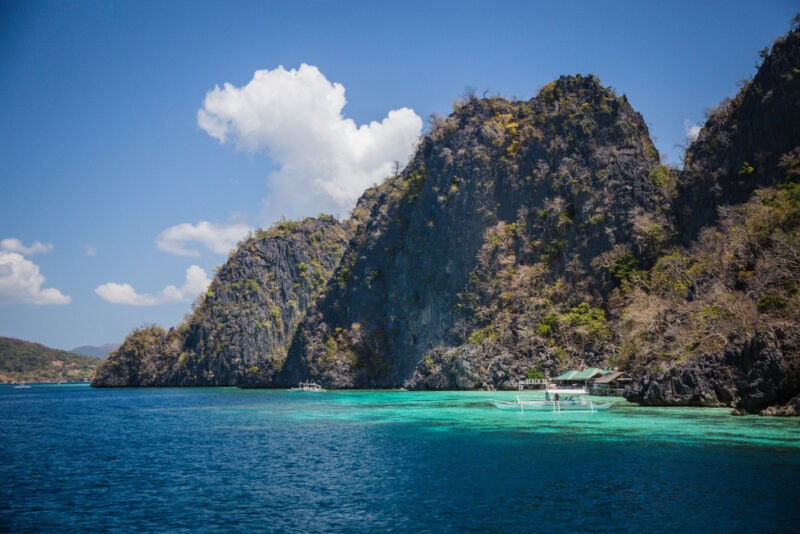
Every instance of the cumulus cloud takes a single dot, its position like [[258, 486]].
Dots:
[[196, 282], [219, 238], [691, 130], [295, 116], [21, 282], [12, 244]]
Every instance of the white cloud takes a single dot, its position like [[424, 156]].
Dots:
[[12, 244], [89, 250], [219, 238], [21, 282], [196, 282], [295, 117], [691, 130]]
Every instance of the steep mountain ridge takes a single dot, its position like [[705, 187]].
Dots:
[[569, 170], [740, 146], [734, 299], [569, 173], [529, 237]]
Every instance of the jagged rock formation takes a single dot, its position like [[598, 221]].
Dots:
[[258, 298], [527, 192], [530, 236], [738, 281], [553, 182], [241, 327], [146, 358], [741, 144], [752, 377]]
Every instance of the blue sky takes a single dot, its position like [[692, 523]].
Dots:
[[141, 140]]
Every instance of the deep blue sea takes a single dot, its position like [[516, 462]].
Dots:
[[77, 459]]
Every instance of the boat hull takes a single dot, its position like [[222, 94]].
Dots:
[[576, 405]]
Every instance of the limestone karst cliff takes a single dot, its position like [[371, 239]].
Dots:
[[500, 195], [240, 329], [728, 333], [529, 235]]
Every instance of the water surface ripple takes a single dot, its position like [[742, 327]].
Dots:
[[79, 459]]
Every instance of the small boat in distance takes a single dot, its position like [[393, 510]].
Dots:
[[21, 385], [307, 386]]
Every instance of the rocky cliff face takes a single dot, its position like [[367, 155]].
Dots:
[[738, 279], [530, 236], [553, 182], [740, 147], [751, 376], [500, 195], [241, 328], [240, 333]]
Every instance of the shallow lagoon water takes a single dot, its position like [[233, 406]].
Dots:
[[225, 459]]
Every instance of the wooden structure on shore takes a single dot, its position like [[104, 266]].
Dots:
[[611, 384]]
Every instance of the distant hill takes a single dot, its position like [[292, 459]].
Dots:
[[100, 351], [23, 361]]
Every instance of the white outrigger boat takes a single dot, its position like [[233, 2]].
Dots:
[[556, 400], [308, 386]]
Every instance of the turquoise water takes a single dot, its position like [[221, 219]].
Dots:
[[79, 459]]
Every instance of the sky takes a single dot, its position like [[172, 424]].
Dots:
[[140, 141]]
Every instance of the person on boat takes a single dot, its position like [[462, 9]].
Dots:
[[547, 395], [557, 397]]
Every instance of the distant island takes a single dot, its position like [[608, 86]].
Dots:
[[530, 236], [23, 361]]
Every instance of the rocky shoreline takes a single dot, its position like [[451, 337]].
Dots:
[[751, 377]]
